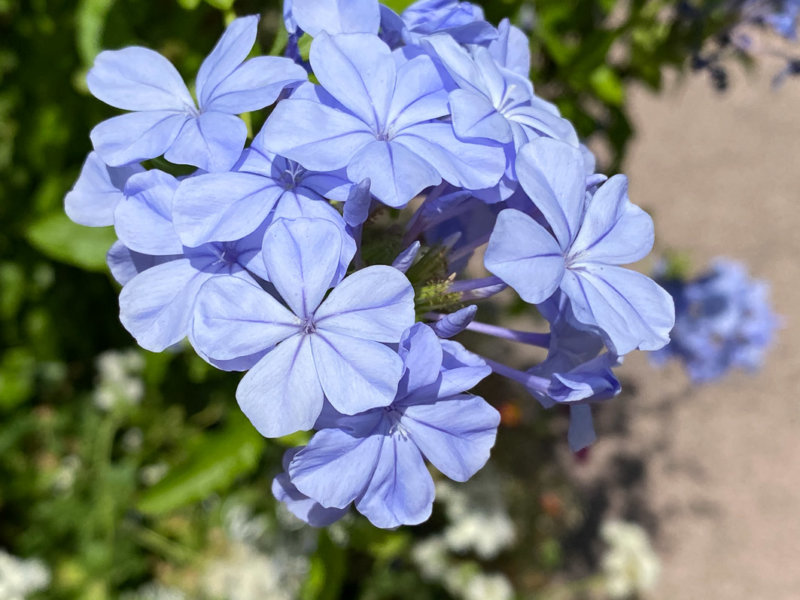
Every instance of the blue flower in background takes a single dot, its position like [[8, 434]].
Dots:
[[378, 115], [377, 459], [588, 238], [724, 320], [165, 118], [312, 348]]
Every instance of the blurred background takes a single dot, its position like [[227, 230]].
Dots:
[[125, 474]]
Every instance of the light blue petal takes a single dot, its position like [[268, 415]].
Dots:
[[630, 308], [223, 207], [422, 359], [456, 434], [454, 323], [458, 62], [303, 507], [375, 303], [157, 305], [525, 255], [230, 51], [396, 174], [359, 71], [581, 429], [236, 318], [143, 221], [356, 374], [296, 206], [475, 118], [95, 195], [419, 94], [401, 490], [318, 137], [125, 264], [255, 84], [281, 394], [552, 174], [137, 136], [462, 370], [614, 230], [471, 166], [406, 258], [212, 142], [537, 121], [137, 78], [337, 16], [512, 49], [302, 258], [356, 209], [336, 465]]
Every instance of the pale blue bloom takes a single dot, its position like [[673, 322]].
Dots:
[[314, 346], [165, 118], [376, 459], [589, 237], [724, 321], [380, 116]]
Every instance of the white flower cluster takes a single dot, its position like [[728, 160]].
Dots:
[[119, 380], [20, 578], [479, 523], [155, 591], [630, 565], [463, 579], [248, 574]]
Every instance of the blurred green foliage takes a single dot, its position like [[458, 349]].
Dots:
[[78, 486]]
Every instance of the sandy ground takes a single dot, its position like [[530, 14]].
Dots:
[[720, 474]]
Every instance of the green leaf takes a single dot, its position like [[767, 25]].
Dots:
[[213, 467], [326, 572], [608, 86], [59, 238], [17, 377], [189, 4], [398, 6], [90, 22]]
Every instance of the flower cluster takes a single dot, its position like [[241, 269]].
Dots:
[[301, 259], [724, 321]]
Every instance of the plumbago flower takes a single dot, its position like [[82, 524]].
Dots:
[[282, 259], [313, 349], [378, 115], [724, 321], [376, 459], [166, 120], [591, 236]]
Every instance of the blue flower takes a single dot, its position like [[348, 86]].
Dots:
[[724, 321], [312, 348], [378, 115], [161, 276], [220, 207], [377, 459], [165, 118], [580, 254]]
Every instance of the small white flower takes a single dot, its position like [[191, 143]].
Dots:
[[20, 578], [155, 591], [119, 382], [478, 518], [630, 565], [152, 474], [488, 587], [431, 557]]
